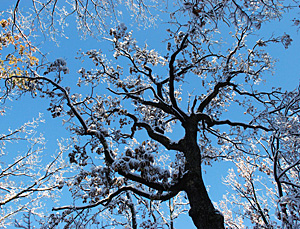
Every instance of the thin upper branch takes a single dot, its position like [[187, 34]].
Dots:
[[213, 94], [106, 201], [62, 89], [164, 140], [244, 125], [172, 76]]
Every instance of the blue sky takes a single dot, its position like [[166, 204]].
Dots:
[[287, 76]]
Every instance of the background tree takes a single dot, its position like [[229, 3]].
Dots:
[[26, 180], [214, 45]]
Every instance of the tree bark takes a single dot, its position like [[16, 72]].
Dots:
[[202, 211]]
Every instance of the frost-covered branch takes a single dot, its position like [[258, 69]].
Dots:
[[106, 201]]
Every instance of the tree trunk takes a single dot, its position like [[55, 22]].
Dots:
[[202, 211]]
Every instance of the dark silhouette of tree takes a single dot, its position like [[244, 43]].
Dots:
[[124, 143]]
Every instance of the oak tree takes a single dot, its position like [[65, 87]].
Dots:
[[205, 87]]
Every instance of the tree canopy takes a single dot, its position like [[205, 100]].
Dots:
[[165, 91]]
